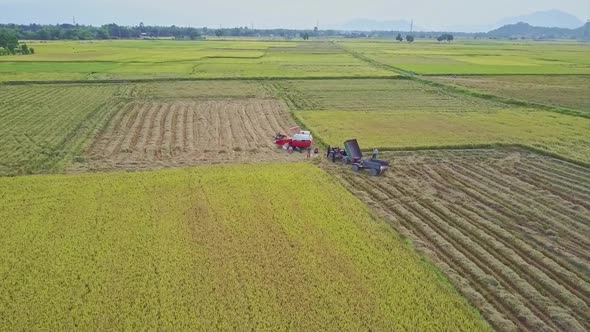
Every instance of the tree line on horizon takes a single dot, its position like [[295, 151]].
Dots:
[[114, 31]]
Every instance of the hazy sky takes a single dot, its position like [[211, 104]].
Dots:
[[278, 13]]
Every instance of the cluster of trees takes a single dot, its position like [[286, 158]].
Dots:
[[445, 37], [9, 44], [409, 38], [26, 50], [8, 41]]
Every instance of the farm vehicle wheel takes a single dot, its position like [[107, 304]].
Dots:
[[356, 168]]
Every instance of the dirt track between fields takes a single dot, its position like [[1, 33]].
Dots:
[[510, 229], [159, 134]]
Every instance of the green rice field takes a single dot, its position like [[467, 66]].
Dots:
[[478, 56], [166, 59]]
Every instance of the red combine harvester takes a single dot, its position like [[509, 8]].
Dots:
[[300, 140]]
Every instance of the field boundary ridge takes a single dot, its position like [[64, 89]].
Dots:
[[196, 79]]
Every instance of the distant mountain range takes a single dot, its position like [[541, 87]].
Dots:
[[525, 30], [550, 18]]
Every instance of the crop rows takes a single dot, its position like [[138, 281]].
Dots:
[[42, 127], [378, 95], [158, 133], [511, 231], [565, 91]]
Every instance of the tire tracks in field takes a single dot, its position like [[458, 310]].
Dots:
[[487, 213], [508, 220], [571, 176], [442, 246], [516, 207], [555, 186], [558, 277], [501, 235], [575, 219], [521, 266], [513, 210], [475, 253]]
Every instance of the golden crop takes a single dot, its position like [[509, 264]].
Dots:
[[240, 247]]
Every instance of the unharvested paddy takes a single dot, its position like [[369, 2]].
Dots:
[[564, 135], [572, 91], [229, 248], [376, 95], [42, 128]]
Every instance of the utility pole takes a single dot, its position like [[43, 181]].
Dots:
[[412, 26], [74, 20]]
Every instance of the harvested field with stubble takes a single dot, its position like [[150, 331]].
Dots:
[[511, 229], [57, 128], [168, 133]]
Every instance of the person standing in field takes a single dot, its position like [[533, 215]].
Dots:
[[375, 153], [308, 153]]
